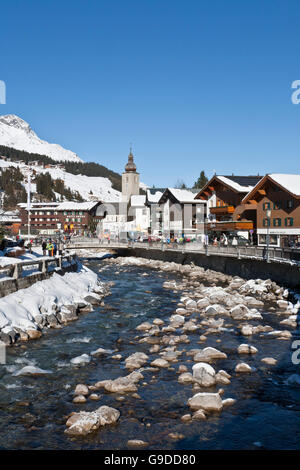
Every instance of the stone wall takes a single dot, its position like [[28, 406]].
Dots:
[[282, 273], [8, 286]]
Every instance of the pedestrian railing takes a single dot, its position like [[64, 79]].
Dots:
[[43, 265], [251, 252]]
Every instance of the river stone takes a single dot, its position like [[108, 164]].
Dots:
[[92, 298], [269, 360], [222, 377], [79, 399], [33, 371], [179, 319], [136, 360], [144, 326], [83, 423], [191, 304], [228, 402], [199, 415], [239, 312], [206, 401], [243, 367], [204, 374], [247, 330], [137, 443], [185, 378], [209, 354], [160, 363], [81, 389], [282, 304], [34, 334], [203, 303], [121, 384], [101, 352], [246, 349], [158, 321], [81, 360]]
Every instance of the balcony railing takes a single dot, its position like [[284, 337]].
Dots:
[[230, 225], [222, 210]]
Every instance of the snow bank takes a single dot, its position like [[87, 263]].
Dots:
[[27, 308]]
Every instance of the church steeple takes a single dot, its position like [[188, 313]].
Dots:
[[130, 165]]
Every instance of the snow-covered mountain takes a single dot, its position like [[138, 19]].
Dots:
[[89, 187], [17, 133]]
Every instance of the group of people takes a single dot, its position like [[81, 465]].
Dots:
[[51, 247]]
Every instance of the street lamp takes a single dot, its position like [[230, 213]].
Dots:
[[268, 213]]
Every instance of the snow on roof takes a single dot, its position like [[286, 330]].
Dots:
[[184, 195], [138, 200], [83, 206], [235, 185], [289, 182], [154, 197]]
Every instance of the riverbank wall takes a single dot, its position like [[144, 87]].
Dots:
[[17, 279], [286, 274]]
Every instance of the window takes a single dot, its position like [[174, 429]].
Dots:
[[290, 204], [276, 205], [289, 221], [277, 222], [266, 206], [266, 222]]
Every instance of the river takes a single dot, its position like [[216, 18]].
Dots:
[[34, 409]]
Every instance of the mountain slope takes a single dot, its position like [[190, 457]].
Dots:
[[17, 133]]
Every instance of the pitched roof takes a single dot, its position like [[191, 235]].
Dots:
[[288, 182]]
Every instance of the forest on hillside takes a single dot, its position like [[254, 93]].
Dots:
[[76, 168]]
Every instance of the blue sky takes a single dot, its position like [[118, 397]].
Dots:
[[202, 84]]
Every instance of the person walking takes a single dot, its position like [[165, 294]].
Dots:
[[234, 241], [54, 249], [44, 247]]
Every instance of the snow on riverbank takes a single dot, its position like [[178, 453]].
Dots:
[[48, 303]]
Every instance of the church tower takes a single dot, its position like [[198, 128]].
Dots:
[[130, 180]]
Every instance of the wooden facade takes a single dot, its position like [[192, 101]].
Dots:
[[283, 224]]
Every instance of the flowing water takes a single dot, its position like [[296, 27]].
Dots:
[[33, 410]]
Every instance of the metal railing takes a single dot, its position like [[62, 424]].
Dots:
[[252, 252]]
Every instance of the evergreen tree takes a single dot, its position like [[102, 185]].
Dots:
[[201, 181]]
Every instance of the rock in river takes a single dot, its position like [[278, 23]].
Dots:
[[206, 401], [34, 371], [83, 423]]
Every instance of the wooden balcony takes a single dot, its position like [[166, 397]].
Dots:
[[229, 226], [222, 210]]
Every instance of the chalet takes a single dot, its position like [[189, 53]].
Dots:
[[225, 211], [181, 213], [276, 199]]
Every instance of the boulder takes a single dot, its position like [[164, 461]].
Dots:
[[160, 363], [136, 360], [185, 378], [33, 371], [204, 374], [246, 349], [242, 367], [81, 389], [83, 423], [206, 401], [81, 360], [239, 312], [209, 354]]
